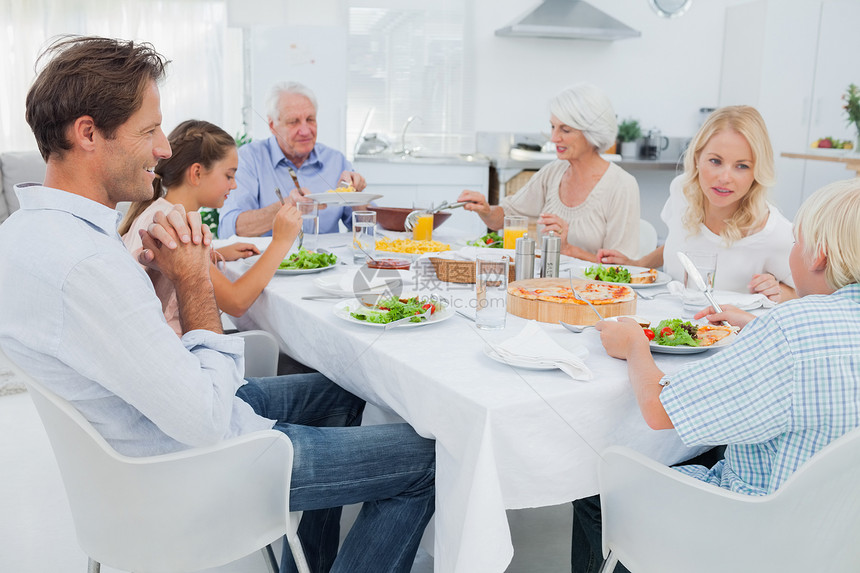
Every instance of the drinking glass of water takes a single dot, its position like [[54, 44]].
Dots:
[[491, 290], [309, 210], [363, 235]]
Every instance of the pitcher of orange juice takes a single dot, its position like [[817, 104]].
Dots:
[[515, 227]]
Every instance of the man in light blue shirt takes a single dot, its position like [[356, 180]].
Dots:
[[787, 388], [265, 165], [80, 315]]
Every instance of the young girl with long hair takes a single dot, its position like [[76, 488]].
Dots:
[[201, 173]]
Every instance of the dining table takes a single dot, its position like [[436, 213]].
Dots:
[[506, 437]]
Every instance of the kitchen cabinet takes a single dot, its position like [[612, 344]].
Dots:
[[401, 181], [819, 40]]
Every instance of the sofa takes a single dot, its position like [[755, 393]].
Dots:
[[17, 167], [24, 167]]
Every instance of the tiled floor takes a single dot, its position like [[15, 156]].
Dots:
[[36, 531]]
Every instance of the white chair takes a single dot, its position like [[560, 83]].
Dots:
[[647, 238], [261, 353], [179, 512], [656, 519]]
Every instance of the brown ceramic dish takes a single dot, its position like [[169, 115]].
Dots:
[[393, 218]]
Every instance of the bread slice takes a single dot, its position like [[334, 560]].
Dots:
[[644, 277]]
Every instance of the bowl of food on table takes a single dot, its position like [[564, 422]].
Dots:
[[394, 218]]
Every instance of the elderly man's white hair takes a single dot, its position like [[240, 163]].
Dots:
[[586, 108], [282, 88]]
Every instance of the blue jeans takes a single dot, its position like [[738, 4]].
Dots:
[[389, 467]]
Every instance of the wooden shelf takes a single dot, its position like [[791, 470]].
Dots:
[[851, 160]]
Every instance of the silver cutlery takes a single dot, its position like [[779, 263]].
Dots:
[[464, 315], [405, 319], [700, 283], [645, 296], [580, 297], [281, 199], [575, 328]]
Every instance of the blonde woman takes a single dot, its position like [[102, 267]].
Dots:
[[201, 172], [719, 204]]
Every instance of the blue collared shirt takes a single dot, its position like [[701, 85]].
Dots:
[[79, 314], [263, 167], [788, 387]]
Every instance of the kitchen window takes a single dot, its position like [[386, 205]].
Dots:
[[412, 59]]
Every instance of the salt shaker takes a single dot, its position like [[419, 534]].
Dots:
[[524, 258], [551, 256]]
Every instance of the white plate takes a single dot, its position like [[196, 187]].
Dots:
[[580, 351], [662, 278], [730, 339], [341, 311], [346, 199], [251, 260], [343, 284]]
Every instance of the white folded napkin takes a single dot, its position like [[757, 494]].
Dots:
[[532, 344], [741, 300]]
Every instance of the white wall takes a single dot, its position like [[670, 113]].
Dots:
[[661, 78]]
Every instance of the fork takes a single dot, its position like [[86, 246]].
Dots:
[[301, 231], [580, 297], [405, 319]]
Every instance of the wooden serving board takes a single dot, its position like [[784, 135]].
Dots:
[[552, 312]]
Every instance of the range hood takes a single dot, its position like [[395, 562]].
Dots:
[[571, 19]]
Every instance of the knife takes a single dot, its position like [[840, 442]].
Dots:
[[700, 283]]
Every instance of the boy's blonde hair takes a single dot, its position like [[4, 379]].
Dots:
[[830, 223]]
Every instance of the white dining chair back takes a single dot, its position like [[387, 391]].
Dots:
[[647, 238], [656, 519], [184, 511], [261, 353]]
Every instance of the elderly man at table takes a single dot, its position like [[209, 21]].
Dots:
[[789, 386], [79, 314], [265, 165]]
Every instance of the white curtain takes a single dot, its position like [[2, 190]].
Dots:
[[203, 78]]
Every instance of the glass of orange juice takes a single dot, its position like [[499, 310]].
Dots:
[[515, 227], [423, 229]]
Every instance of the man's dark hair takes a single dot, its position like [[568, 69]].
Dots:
[[103, 78]]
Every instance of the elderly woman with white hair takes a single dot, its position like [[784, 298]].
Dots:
[[590, 202]]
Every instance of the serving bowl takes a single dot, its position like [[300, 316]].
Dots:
[[393, 218]]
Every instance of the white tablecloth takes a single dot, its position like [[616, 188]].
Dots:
[[506, 438]]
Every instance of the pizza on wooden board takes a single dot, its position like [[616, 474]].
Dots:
[[596, 293]]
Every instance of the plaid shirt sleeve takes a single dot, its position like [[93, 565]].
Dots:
[[740, 395]]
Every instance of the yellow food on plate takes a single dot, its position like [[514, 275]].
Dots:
[[410, 246], [349, 189]]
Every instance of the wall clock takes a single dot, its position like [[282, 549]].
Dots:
[[670, 8]]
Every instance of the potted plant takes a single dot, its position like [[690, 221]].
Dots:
[[852, 110], [628, 134]]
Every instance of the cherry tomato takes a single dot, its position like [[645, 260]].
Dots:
[[667, 331], [432, 307], [649, 333], [488, 240]]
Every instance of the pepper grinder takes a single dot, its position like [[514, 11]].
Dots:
[[551, 255], [524, 258]]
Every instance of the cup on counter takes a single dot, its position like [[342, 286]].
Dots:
[[706, 263], [515, 227], [491, 291], [363, 235], [309, 210], [423, 229]]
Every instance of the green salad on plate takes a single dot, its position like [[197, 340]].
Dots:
[[306, 259]]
